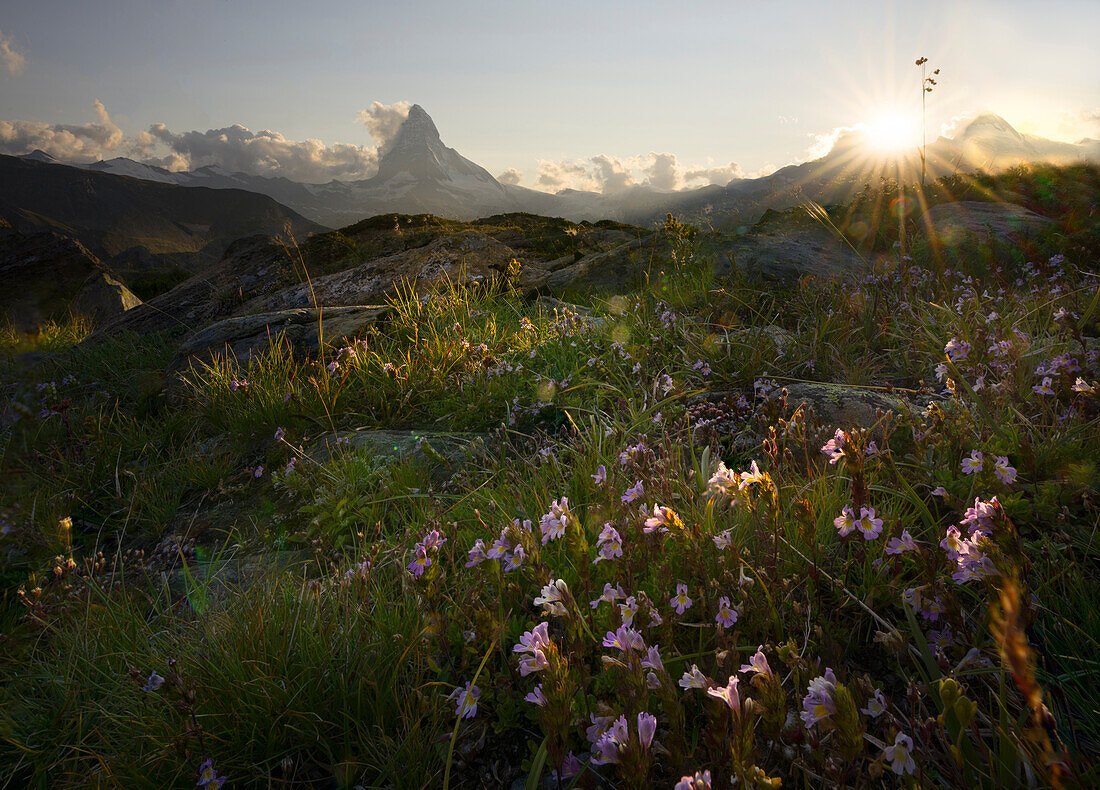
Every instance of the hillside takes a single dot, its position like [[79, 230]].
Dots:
[[133, 225], [811, 525]]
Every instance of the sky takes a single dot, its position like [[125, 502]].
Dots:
[[536, 90]]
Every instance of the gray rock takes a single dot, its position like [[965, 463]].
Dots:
[[48, 275], [448, 449], [103, 297], [789, 252], [952, 223], [840, 406], [755, 334], [836, 405], [616, 269], [239, 338]]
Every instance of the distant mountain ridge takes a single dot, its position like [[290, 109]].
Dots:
[[417, 173]]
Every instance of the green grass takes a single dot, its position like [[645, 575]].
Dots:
[[301, 651]]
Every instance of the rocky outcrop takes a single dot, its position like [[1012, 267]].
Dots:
[[466, 257], [237, 340], [48, 276], [790, 245], [369, 262], [952, 223]]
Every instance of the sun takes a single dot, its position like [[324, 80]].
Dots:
[[893, 132]]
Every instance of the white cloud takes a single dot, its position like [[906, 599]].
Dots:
[[263, 153], [821, 144], [10, 58], [511, 176], [611, 174], [720, 174], [663, 171], [68, 142], [565, 174], [383, 121]]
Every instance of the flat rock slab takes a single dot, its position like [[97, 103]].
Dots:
[[442, 447], [845, 407], [304, 328], [789, 252], [952, 223], [836, 405]]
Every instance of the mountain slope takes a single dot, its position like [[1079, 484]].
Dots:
[[140, 223], [47, 275]]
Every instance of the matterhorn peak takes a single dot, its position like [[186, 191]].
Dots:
[[417, 152], [987, 125]]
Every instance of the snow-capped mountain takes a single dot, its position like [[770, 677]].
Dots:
[[417, 173]]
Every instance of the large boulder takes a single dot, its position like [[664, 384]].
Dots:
[[236, 340], [952, 223], [789, 245], [48, 275], [619, 268]]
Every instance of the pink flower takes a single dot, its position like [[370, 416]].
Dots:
[[553, 598], [876, 705], [680, 600], [652, 659], [610, 544], [694, 679], [973, 463], [538, 638], [610, 595], [845, 522], [420, 562], [726, 615], [647, 727], [635, 492], [476, 554], [661, 520], [1044, 388], [536, 696], [467, 700], [758, 663], [751, 477], [723, 483], [868, 525], [900, 755], [818, 703], [553, 524], [723, 540], [901, 545], [1005, 473], [700, 781], [627, 610], [728, 693], [624, 639], [953, 543], [536, 662], [834, 448], [956, 349]]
